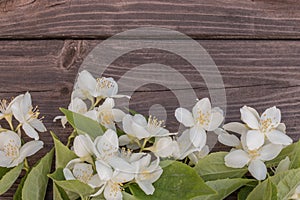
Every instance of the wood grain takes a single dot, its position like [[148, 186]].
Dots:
[[197, 18], [256, 73]]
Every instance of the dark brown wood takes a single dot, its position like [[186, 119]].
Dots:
[[197, 18], [256, 73]]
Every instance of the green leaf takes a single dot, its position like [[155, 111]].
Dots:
[[3, 171], [74, 186], [287, 183], [244, 192], [177, 182], [127, 196], [18, 193], [295, 156], [9, 178], [83, 124], [212, 167], [224, 187], [62, 153], [36, 182], [266, 190], [59, 193]]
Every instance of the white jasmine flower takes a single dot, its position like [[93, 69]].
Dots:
[[267, 125], [12, 153], [27, 116], [296, 195], [147, 173], [202, 119], [107, 114], [78, 170], [254, 159], [107, 145], [137, 127], [83, 146], [87, 87], [76, 105], [111, 180]]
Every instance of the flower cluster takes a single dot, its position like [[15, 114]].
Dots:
[[13, 150], [261, 139], [109, 161]]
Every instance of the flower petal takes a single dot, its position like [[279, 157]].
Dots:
[[118, 115], [146, 187], [30, 148], [86, 81], [163, 147], [277, 137], [250, 117], [104, 171], [140, 119], [68, 174], [184, 116], [198, 136], [83, 146], [236, 127], [38, 125], [127, 124], [229, 140], [237, 159], [270, 151], [139, 131], [108, 103], [254, 139], [216, 119], [273, 114], [29, 130], [5, 161], [95, 181], [258, 169]]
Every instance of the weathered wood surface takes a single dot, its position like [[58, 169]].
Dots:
[[255, 44], [256, 73], [197, 18]]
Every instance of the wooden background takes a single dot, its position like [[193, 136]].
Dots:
[[255, 44]]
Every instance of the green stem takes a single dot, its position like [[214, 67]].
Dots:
[[144, 144], [26, 165], [94, 104], [71, 137]]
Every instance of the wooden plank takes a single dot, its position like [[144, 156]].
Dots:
[[256, 73], [199, 19]]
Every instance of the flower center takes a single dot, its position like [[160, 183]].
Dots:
[[106, 117], [253, 154], [265, 125], [104, 83], [114, 189], [203, 118], [11, 150], [33, 113], [154, 123]]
